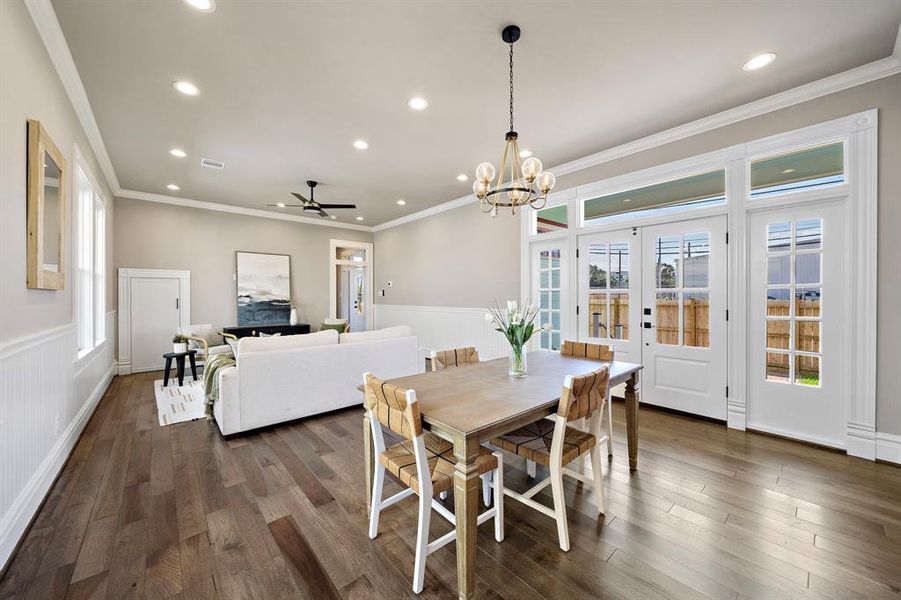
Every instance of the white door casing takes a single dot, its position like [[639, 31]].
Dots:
[[798, 352], [684, 284], [336, 265]]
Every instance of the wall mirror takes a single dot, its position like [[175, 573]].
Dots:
[[46, 211]]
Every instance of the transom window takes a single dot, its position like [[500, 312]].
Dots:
[[794, 301], [549, 297], [548, 220], [808, 168], [608, 290], [682, 279]]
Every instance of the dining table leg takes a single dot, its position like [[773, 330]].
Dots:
[[466, 508], [367, 459], [632, 419]]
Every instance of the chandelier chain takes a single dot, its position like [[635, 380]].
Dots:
[[511, 87]]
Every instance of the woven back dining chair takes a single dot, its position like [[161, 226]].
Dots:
[[602, 353], [424, 463], [457, 357], [554, 444]]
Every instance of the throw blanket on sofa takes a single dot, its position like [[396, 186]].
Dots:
[[211, 370]]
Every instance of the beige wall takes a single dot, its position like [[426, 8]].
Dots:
[[457, 258], [162, 236], [481, 257], [30, 88]]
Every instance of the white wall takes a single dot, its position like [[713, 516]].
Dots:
[[46, 397]]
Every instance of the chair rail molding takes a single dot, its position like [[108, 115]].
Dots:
[[46, 399], [125, 277], [441, 327]]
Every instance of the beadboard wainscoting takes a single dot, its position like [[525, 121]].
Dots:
[[46, 399], [442, 327]]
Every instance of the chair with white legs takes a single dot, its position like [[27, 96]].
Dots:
[[551, 442], [601, 353], [425, 464]]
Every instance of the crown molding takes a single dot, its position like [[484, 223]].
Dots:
[[51, 33], [873, 71], [238, 210]]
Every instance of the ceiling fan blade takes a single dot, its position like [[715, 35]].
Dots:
[[286, 205], [338, 205], [322, 213], [299, 197]]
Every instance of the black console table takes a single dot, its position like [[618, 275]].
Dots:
[[256, 330]]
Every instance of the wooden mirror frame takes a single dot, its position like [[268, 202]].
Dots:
[[40, 142]]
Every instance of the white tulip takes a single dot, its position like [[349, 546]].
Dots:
[[546, 327], [489, 318], [512, 305]]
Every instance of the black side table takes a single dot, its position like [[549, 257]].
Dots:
[[180, 365]]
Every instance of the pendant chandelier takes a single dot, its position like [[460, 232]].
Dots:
[[520, 182]]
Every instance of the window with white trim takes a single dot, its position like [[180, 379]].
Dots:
[[90, 274]]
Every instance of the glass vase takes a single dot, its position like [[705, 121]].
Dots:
[[518, 363]]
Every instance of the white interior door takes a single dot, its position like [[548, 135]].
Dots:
[[798, 357], [549, 283], [684, 283], [350, 283], [357, 286], [154, 320], [610, 291]]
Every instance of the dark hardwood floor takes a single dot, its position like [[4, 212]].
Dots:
[[143, 511]]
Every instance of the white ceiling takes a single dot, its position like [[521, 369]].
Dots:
[[287, 86]]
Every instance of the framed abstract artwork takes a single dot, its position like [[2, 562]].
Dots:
[[264, 288]]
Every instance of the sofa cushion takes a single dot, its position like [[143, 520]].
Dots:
[[379, 334], [285, 342]]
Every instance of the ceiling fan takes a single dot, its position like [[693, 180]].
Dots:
[[311, 205]]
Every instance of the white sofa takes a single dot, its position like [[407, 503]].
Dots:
[[282, 378]]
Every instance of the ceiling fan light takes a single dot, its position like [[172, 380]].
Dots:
[[531, 168], [485, 173]]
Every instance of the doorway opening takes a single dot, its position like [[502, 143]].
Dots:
[[350, 283]]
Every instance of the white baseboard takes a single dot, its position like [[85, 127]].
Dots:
[[888, 447], [17, 519]]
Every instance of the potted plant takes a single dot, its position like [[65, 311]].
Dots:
[[179, 343], [517, 323]]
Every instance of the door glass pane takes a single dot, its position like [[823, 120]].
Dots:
[[807, 268], [619, 265], [778, 269], [696, 260], [544, 300], [807, 302], [696, 319], [619, 316], [545, 340], [778, 237], [555, 320], [667, 249], [777, 302], [555, 340], [807, 336], [667, 310], [544, 279], [555, 299], [543, 259], [544, 317], [809, 234], [807, 370], [777, 366], [555, 258], [597, 266], [777, 333], [597, 314]]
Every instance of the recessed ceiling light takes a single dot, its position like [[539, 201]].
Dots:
[[359, 218], [178, 152], [281, 205], [401, 202], [462, 177], [759, 61], [201, 5], [787, 171], [333, 217], [361, 144], [627, 199], [418, 103], [186, 87], [173, 187], [525, 153]]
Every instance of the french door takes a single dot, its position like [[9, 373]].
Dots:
[[550, 281], [684, 285], [609, 309], [798, 355], [657, 295]]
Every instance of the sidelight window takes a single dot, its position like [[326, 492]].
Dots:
[[549, 290]]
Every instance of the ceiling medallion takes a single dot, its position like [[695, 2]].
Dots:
[[521, 182]]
